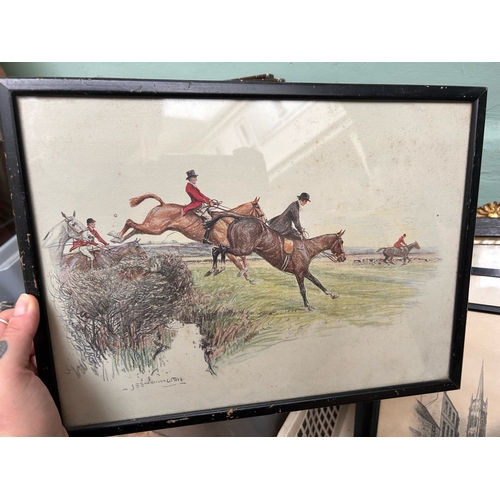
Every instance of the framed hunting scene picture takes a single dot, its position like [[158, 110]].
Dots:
[[204, 251]]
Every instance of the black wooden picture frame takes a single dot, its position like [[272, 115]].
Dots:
[[26, 144]]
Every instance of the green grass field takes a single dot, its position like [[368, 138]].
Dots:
[[134, 304], [368, 295]]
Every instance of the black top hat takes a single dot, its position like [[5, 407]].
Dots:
[[304, 196], [191, 173]]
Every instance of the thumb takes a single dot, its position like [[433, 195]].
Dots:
[[17, 338]]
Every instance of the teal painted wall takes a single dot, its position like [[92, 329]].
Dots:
[[485, 74]]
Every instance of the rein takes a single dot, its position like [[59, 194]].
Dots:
[[229, 211], [332, 257], [57, 244], [79, 233], [223, 208]]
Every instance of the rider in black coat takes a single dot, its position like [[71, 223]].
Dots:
[[288, 223]]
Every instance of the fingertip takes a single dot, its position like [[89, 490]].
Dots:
[[26, 314], [22, 328], [22, 305], [25, 304]]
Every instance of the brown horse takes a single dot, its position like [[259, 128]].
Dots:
[[246, 235], [390, 253], [168, 217]]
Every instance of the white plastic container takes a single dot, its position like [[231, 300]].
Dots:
[[11, 276]]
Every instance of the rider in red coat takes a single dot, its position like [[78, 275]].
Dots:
[[197, 197], [401, 243], [82, 244], [93, 231], [200, 204]]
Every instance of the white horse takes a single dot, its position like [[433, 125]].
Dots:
[[60, 234]]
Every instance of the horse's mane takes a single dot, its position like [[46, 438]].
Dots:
[[52, 230]]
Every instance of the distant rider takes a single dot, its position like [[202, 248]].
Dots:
[[401, 243]]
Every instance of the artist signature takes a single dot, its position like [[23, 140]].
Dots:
[[170, 381]]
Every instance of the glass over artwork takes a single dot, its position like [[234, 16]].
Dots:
[[207, 253]]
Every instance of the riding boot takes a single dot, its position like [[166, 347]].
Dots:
[[205, 237]]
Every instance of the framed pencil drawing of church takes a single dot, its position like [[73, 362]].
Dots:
[[471, 411], [212, 250]]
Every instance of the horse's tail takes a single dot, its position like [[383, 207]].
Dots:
[[139, 199], [211, 223], [383, 248]]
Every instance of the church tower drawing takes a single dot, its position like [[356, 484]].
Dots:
[[478, 411]]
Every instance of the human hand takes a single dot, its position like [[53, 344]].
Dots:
[[26, 406]]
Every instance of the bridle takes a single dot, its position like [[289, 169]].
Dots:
[[256, 212], [334, 257], [78, 233], [260, 215]]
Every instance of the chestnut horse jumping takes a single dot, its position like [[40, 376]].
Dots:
[[168, 217], [246, 235]]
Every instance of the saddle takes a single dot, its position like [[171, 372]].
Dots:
[[287, 246]]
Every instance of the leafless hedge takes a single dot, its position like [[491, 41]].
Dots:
[[128, 312]]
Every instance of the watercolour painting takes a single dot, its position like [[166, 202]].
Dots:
[[156, 308]]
